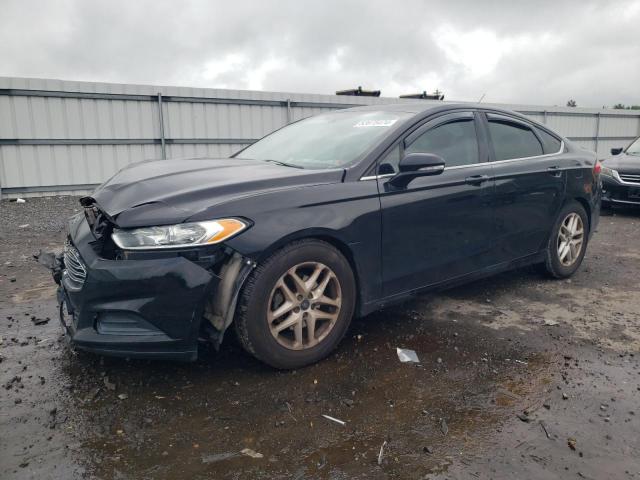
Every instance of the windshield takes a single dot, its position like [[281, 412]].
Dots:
[[325, 141], [634, 148]]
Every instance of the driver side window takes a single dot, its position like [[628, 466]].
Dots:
[[456, 142]]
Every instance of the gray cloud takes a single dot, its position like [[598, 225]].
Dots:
[[540, 52]]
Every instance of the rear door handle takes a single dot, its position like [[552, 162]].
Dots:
[[476, 179], [554, 170]]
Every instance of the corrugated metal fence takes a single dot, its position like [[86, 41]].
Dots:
[[60, 137]]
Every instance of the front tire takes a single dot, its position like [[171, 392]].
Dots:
[[297, 305], [568, 241]]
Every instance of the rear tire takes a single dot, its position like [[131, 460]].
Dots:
[[568, 241], [307, 286]]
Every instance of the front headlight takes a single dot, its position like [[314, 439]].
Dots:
[[178, 236], [609, 172]]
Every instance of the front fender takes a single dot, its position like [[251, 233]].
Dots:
[[345, 214]]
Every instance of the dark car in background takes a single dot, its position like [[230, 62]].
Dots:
[[621, 176], [333, 216]]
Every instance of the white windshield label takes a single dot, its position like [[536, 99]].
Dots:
[[375, 123]]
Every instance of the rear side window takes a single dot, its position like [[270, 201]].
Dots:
[[455, 142], [550, 143], [513, 140]]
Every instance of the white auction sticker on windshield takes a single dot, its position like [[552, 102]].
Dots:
[[375, 123]]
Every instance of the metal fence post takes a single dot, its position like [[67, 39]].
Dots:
[[597, 130], [544, 118], [288, 111], [161, 124]]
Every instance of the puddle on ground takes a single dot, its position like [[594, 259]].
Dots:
[[194, 420]]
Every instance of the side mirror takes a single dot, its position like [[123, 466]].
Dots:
[[416, 165], [616, 151]]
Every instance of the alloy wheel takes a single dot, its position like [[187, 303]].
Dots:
[[304, 305], [570, 239]]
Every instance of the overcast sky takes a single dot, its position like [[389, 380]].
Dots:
[[536, 52]]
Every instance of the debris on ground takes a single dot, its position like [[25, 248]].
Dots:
[[123, 396], [251, 453], [524, 417], [380, 455], [217, 457], [544, 429], [405, 355], [348, 402], [20, 200], [39, 321], [444, 428], [110, 385], [550, 323], [572, 443], [334, 419]]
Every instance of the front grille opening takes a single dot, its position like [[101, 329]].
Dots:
[[630, 177], [74, 270]]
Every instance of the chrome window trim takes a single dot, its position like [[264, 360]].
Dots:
[[560, 150], [376, 177], [386, 175]]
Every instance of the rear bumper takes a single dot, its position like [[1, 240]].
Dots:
[[149, 308]]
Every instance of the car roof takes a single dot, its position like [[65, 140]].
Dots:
[[421, 106]]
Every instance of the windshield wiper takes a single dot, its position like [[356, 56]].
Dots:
[[284, 164]]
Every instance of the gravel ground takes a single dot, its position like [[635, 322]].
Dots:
[[520, 377]]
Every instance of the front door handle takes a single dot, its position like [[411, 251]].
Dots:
[[476, 179], [554, 170]]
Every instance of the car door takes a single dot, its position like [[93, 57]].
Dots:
[[529, 184], [437, 227]]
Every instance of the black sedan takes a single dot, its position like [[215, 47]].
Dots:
[[333, 216], [621, 176]]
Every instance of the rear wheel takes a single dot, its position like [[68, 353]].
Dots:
[[297, 305], [568, 241]]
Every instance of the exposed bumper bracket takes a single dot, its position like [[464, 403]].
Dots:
[[221, 309]]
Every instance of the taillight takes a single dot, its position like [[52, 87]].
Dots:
[[597, 168]]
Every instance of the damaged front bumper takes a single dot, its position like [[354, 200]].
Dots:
[[146, 306]]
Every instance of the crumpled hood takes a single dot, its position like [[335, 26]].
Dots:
[[163, 192], [623, 163]]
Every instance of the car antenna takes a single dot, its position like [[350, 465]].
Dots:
[[480, 101]]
